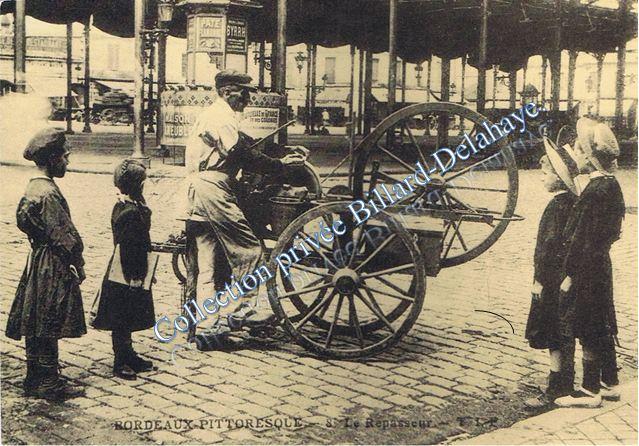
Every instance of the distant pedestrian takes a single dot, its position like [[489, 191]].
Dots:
[[542, 329], [48, 304], [122, 308], [594, 225]]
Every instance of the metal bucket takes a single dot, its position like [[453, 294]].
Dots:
[[284, 210]]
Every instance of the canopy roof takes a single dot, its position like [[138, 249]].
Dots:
[[517, 29]]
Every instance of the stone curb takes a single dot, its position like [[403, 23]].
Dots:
[[556, 420]]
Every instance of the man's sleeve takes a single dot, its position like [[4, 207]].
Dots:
[[193, 151], [228, 135]]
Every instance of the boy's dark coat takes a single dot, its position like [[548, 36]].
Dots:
[[594, 224], [542, 328]]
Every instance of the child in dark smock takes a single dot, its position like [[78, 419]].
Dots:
[[542, 328], [124, 309]]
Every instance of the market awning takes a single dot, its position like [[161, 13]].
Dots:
[[517, 29]]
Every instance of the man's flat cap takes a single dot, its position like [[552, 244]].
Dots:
[[45, 143], [233, 77]]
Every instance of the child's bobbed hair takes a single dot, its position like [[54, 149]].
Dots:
[[129, 175]]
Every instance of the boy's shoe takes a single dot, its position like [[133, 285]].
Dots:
[[610, 393], [580, 398], [61, 392], [538, 402], [139, 364], [124, 371]]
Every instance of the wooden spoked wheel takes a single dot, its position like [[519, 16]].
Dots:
[[354, 295], [477, 195]]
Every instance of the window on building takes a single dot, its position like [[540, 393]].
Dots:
[[329, 70], [375, 75]]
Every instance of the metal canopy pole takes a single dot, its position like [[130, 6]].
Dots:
[[351, 92], [392, 55], [360, 91], [403, 83], [150, 106], [87, 77], [481, 68], [309, 55], [445, 79], [544, 67], [20, 45], [69, 104], [428, 71], [494, 86], [313, 85], [572, 64], [261, 63], [621, 70], [600, 58], [555, 60], [280, 80], [368, 93], [512, 88], [138, 99], [161, 66]]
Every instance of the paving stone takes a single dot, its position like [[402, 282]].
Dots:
[[255, 410], [400, 400], [373, 403], [292, 411], [205, 436], [116, 401], [307, 391], [375, 392], [434, 390], [167, 437]]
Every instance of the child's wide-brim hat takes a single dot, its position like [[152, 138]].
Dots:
[[562, 159], [596, 138]]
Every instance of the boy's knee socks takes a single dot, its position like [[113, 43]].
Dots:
[[592, 375], [608, 355]]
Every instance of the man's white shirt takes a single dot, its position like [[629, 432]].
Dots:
[[222, 124]]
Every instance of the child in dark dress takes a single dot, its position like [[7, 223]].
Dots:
[[123, 308], [542, 329]]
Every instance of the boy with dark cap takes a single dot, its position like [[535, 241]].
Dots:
[[594, 225], [48, 303]]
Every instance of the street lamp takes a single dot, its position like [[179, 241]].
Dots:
[[300, 58], [165, 11], [152, 36]]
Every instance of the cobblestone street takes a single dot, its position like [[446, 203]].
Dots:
[[459, 371]]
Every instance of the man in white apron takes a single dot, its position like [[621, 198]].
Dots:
[[220, 242]]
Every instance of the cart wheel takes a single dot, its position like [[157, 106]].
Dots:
[[356, 302], [479, 194], [178, 263], [566, 135]]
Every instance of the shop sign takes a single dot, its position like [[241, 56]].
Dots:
[[43, 46], [236, 38], [180, 110], [210, 34]]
